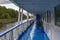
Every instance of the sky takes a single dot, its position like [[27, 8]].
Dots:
[[11, 5], [4, 1], [8, 4]]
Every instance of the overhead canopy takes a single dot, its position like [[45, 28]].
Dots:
[[36, 6]]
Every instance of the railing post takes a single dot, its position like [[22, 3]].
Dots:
[[18, 30], [22, 20], [20, 15], [12, 35], [19, 19], [5, 37]]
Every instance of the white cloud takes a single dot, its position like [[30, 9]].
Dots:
[[12, 6], [4, 1]]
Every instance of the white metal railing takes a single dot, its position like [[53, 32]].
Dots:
[[14, 32]]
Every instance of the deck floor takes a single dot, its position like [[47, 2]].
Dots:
[[35, 33]]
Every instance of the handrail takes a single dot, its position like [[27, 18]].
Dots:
[[9, 30], [26, 32]]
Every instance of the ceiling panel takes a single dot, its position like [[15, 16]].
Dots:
[[36, 6]]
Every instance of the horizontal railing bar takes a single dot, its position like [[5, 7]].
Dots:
[[20, 36], [11, 29]]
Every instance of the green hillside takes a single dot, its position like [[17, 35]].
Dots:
[[8, 13]]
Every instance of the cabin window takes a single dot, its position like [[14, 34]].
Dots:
[[57, 16]]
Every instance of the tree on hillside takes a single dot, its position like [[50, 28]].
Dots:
[[9, 13]]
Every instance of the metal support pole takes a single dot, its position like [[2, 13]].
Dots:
[[46, 16], [52, 21], [22, 27], [27, 18], [52, 16], [19, 15], [34, 18], [22, 15]]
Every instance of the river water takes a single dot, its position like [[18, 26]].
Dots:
[[6, 26]]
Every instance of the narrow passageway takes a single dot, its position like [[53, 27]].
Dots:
[[35, 32], [38, 33], [26, 34]]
